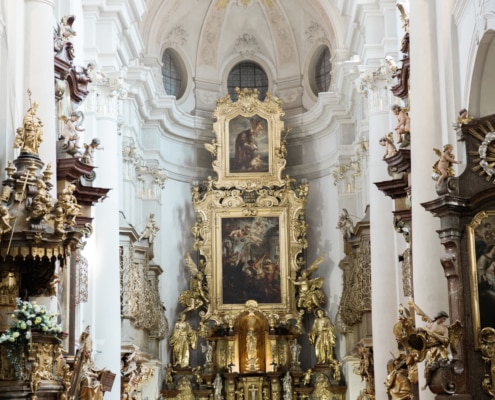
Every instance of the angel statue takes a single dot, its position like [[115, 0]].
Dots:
[[387, 141], [438, 338], [345, 224], [72, 129], [196, 296], [443, 166], [310, 295]]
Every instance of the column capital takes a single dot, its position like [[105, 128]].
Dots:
[[105, 92]]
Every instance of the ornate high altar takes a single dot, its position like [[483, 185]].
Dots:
[[250, 287]]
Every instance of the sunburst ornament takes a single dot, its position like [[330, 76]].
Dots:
[[484, 157], [244, 3]]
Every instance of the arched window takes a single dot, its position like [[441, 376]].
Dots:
[[250, 75], [173, 74], [320, 71]]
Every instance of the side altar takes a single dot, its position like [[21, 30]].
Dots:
[[251, 289]]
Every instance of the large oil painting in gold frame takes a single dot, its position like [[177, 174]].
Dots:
[[481, 250], [249, 151], [250, 262]]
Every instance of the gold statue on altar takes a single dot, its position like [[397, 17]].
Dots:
[[183, 337], [30, 135], [322, 337]]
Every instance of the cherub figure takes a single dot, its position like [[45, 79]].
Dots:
[[68, 202], [73, 126], [197, 375], [169, 377], [403, 122], [40, 204], [388, 142], [5, 219], [443, 167], [307, 377], [310, 295], [88, 156]]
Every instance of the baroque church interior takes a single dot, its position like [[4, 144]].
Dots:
[[247, 199]]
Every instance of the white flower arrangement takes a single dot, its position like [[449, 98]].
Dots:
[[30, 317]]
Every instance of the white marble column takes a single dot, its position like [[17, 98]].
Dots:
[[103, 309], [386, 244], [430, 284], [39, 73]]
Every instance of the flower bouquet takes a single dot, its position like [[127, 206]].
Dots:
[[29, 319]]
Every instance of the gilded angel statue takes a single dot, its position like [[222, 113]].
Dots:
[[196, 296], [310, 296]]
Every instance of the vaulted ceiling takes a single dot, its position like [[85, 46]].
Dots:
[[211, 36]]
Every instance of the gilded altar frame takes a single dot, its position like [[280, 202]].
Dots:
[[255, 213], [232, 118], [269, 249], [480, 236]]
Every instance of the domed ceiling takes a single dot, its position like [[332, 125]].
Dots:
[[210, 37]]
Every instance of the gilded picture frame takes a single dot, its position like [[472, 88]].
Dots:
[[251, 259], [248, 147], [481, 252]]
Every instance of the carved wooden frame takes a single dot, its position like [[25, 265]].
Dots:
[[229, 116], [218, 297], [478, 219]]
